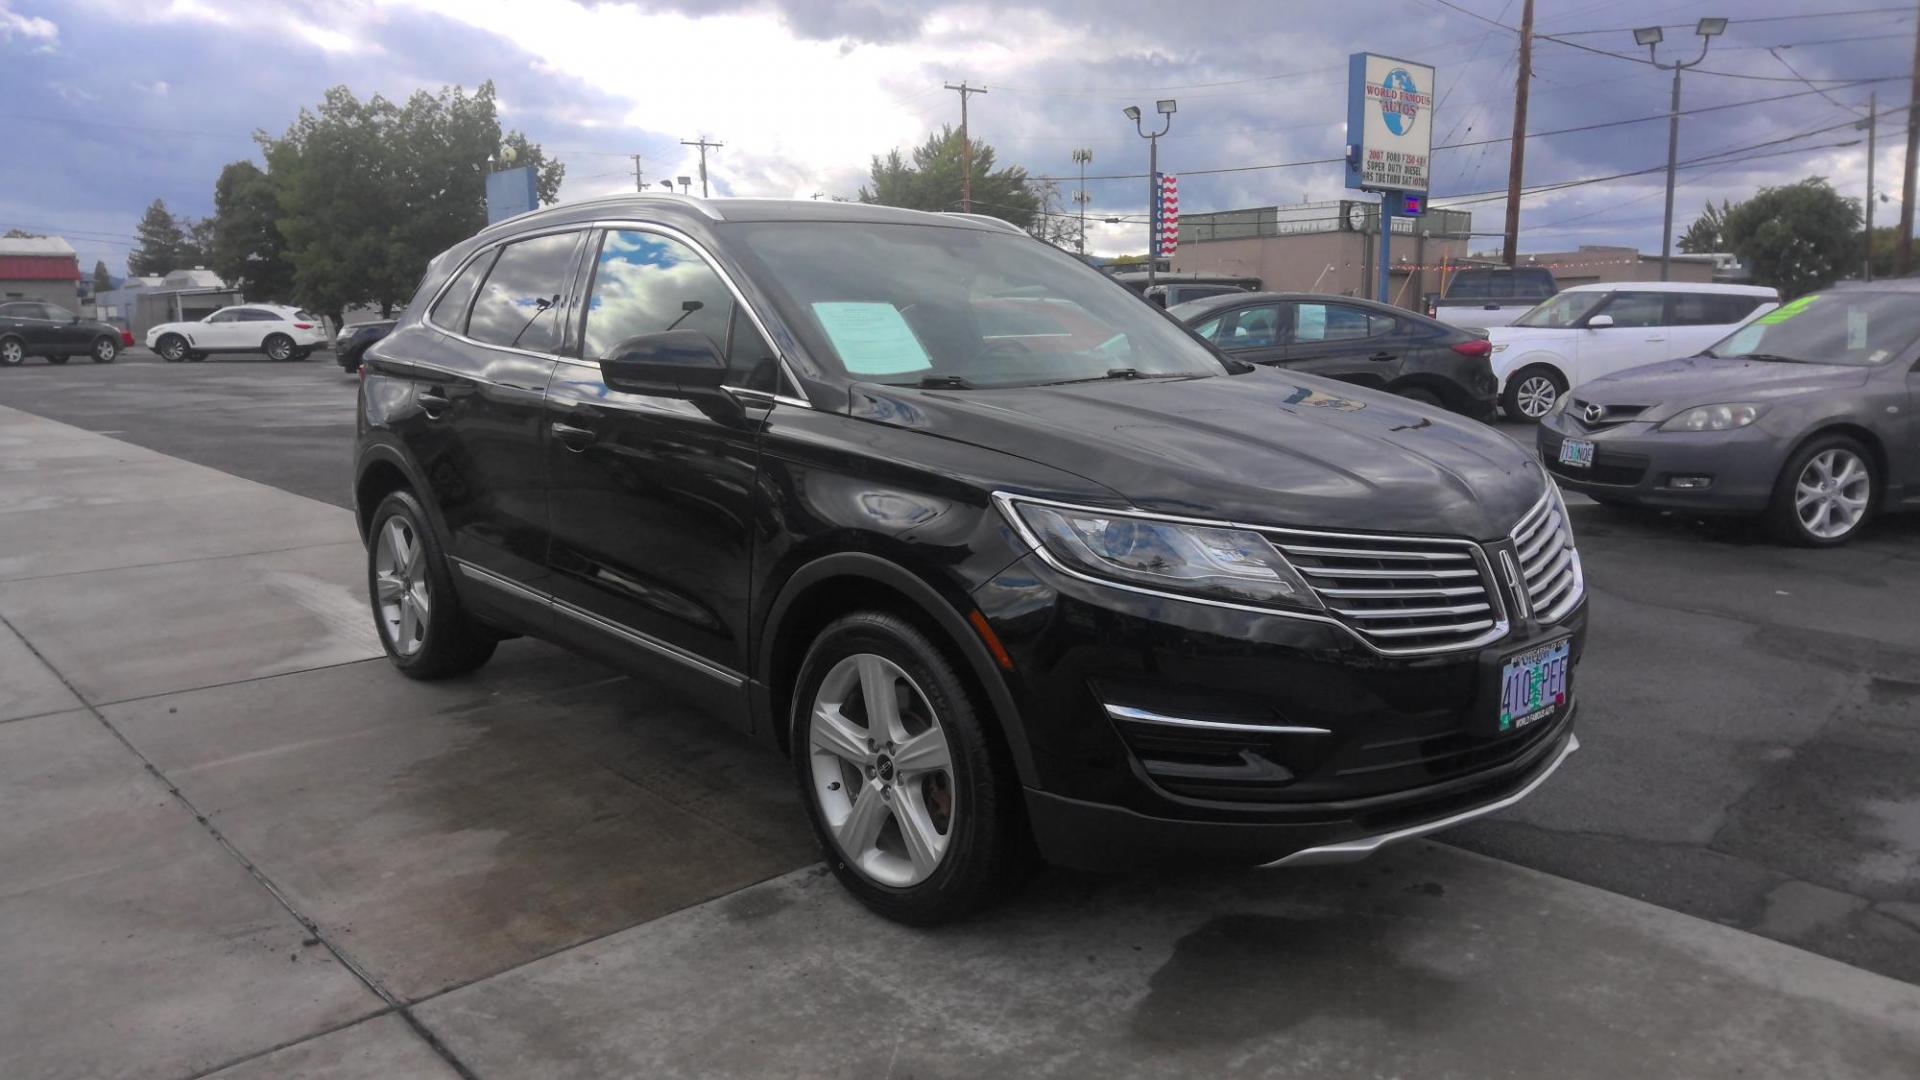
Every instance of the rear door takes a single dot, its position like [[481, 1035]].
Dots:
[[1345, 342], [652, 495], [1639, 335], [1697, 320]]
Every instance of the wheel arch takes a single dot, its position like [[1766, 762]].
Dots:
[[383, 469], [1852, 430], [1553, 362], [846, 581]]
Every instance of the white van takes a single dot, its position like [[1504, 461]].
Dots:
[[1592, 330]]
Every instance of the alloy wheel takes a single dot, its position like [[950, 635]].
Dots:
[[104, 351], [1832, 493], [12, 353], [400, 585], [279, 348], [1536, 396], [882, 770]]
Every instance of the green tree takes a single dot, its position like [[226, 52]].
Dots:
[[1797, 237], [247, 249], [368, 192], [162, 241], [932, 181], [22, 234], [1708, 233], [102, 277]]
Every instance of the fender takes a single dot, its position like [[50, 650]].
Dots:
[[382, 447], [929, 600], [1538, 356]]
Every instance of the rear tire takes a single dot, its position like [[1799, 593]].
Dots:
[[105, 350], [302, 354], [1826, 493], [915, 807], [172, 348], [1532, 392], [418, 615], [278, 347]]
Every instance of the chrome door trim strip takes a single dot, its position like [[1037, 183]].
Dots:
[[607, 626], [649, 642], [1355, 850], [1127, 712]]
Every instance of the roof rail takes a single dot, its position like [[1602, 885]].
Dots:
[[987, 219]]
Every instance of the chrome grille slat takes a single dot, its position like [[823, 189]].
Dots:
[[1361, 553], [1404, 595], [1411, 613], [1555, 551], [1550, 561], [1345, 572], [1450, 628], [1410, 594]]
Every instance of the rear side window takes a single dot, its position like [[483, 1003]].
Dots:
[[256, 315], [1315, 323], [645, 283], [518, 304], [1711, 309], [451, 311]]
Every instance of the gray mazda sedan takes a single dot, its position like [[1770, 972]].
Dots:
[[1806, 414]]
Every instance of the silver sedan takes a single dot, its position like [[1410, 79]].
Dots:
[[1809, 415]]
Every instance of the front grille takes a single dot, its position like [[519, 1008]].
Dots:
[[1543, 544], [1401, 594], [1609, 414]]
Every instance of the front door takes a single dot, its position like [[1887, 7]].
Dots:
[[221, 330], [1345, 342], [1638, 336], [1256, 334], [33, 322], [652, 495]]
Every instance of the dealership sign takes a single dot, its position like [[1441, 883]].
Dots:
[[1389, 123]]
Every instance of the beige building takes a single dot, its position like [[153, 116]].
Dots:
[[1324, 247]]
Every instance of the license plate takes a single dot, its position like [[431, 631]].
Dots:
[[1534, 684], [1577, 453]]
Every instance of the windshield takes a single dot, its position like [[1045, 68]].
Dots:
[[914, 304], [1561, 311], [1858, 329]]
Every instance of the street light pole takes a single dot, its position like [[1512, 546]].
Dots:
[[1080, 158], [1708, 29], [1166, 107]]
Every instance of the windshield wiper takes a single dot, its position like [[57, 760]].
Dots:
[[1773, 358], [943, 382], [1129, 373]]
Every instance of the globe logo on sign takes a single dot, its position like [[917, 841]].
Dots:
[[1399, 89]]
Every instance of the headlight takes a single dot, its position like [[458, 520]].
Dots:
[[1713, 418], [1227, 564]]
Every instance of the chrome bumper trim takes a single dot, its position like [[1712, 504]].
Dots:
[[1355, 850], [1124, 712]]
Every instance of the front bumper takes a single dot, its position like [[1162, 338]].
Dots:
[[1635, 463], [1165, 731]]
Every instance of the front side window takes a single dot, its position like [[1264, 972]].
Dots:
[[1859, 329], [229, 315], [1256, 328], [1561, 312], [1315, 323], [956, 307], [518, 304], [18, 311], [257, 315], [1636, 309], [645, 283]]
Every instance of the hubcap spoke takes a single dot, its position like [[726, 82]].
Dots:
[[923, 842], [863, 823], [878, 690], [838, 736], [409, 623], [417, 596], [388, 587], [920, 753]]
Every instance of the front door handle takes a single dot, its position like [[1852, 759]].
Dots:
[[575, 438], [433, 402]]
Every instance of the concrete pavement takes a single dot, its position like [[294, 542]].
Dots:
[[234, 839]]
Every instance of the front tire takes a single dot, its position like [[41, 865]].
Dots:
[[172, 348], [13, 352], [914, 806], [426, 633], [1826, 493], [105, 350], [277, 347], [1532, 393]]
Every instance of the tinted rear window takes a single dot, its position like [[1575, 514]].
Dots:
[[451, 310], [518, 304]]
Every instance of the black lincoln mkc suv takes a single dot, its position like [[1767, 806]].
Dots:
[[1004, 558]]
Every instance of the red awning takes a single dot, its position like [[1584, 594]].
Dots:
[[39, 268]]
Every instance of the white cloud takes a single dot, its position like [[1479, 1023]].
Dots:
[[27, 27], [157, 88]]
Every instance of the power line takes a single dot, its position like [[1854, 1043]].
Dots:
[[1757, 19], [1775, 53]]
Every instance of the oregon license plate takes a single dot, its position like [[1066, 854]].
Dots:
[[1577, 453], [1534, 684]]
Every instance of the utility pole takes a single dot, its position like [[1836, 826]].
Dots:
[[966, 148], [637, 184], [1517, 162], [1872, 123], [1081, 157], [1913, 151], [704, 146]]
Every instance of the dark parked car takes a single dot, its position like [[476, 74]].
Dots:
[[350, 345], [1002, 557], [1177, 287], [1806, 414], [31, 328], [1356, 341]]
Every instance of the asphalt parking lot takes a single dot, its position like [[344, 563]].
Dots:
[[223, 797]]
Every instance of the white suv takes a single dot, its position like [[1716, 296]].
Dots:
[[1592, 330], [283, 333]]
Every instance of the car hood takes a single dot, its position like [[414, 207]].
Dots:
[[1671, 386], [1266, 447]]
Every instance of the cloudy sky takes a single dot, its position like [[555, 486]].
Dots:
[[108, 104]]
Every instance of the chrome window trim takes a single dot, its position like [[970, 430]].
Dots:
[[604, 625], [786, 368], [1007, 501], [1127, 712], [1355, 850]]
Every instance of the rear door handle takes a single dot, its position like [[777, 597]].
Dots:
[[575, 438], [433, 402], [1384, 356]]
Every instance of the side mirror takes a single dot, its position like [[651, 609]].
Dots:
[[1599, 322], [672, 363]]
